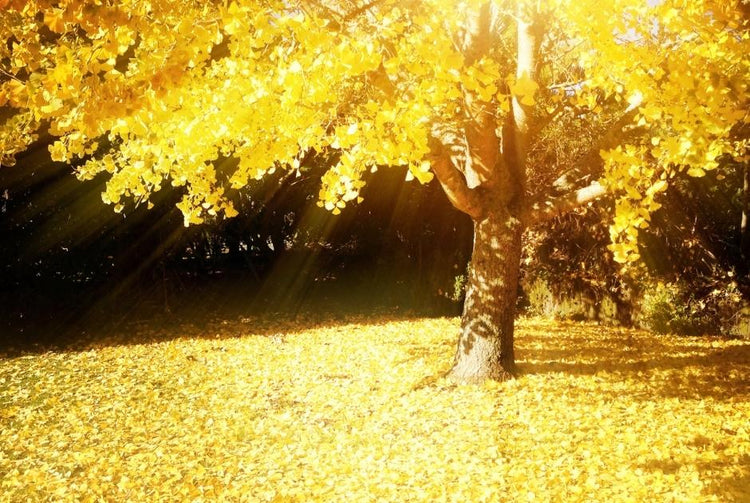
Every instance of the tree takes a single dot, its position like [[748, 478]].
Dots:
[[522, 109]]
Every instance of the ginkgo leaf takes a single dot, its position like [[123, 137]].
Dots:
[[53, 18], [266, 407], [525, 88]]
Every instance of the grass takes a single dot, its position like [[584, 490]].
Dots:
[[268, 410]]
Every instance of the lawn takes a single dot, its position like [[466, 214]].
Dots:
[[263, 410]]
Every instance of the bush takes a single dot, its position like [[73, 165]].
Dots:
[[660, 307], [539, 299], [686, 309]]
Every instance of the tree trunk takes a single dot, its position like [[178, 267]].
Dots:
[[487, 182], [485, 346], [744, 223]]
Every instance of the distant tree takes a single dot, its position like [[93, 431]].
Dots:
[[522, 109]]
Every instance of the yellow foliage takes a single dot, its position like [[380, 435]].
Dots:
[[524, 88], [263, 410], [156, 91]]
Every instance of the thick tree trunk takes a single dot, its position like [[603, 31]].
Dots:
[[485, 346], [483, 174]]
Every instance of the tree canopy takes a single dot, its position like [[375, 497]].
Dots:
[[207, 95]]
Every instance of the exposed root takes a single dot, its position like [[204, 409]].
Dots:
[[499, 374]]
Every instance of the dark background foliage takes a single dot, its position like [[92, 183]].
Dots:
[[70, 264], [694, 273], [69, 261]]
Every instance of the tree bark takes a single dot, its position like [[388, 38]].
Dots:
[[485, 345], [745, 219]]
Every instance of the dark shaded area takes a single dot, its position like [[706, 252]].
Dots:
[[663, 369], [698, 229], [571, 257], [693, 243], [70, 265]]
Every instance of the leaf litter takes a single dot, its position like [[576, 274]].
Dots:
[[357, 410]]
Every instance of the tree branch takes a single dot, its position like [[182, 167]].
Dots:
[[551, 207], [547, 210], [360, 10], [589, 165], [454, 185]]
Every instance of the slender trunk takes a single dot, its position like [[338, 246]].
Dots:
[[485, 346]]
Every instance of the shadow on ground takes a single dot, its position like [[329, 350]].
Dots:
[[668, 366]]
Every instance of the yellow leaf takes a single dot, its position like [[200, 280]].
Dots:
[[230, 211], [659, 186], [52, 107], [54, 20], [525, 88], [16, 92]]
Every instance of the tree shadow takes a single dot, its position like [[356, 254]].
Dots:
[[724, 486], [203, 308], [688, 369], [149, 328]]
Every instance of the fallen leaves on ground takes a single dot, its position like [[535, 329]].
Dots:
[[356, 411]]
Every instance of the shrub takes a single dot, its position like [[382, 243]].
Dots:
[[684, 308]]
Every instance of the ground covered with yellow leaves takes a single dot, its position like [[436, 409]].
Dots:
[[256, 410]]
